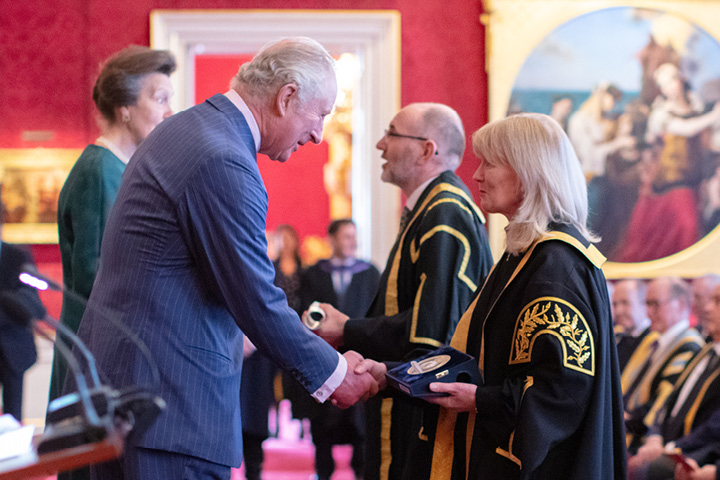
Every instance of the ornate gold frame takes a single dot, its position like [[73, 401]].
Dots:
[[32, 167], [515, 27]]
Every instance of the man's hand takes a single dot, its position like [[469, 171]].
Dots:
[[651, 450], [461, 396], [376, 369], [331, 329], [354, 387]]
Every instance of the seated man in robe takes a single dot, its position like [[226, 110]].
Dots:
[[689, 413], [660, 359]]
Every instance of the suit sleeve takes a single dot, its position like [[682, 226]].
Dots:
[[225, 206], [552, 365], [448, 258]]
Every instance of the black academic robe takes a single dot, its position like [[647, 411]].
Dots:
[[551, 405], [643, 403], [316, 285], [432, 273], [702, 444], [698, 407], [626, 345]]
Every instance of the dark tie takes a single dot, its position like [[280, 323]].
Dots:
[[641, 374], [404, 219], [344, 277]]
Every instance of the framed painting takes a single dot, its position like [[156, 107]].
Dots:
[[636, 85], [31, 182]]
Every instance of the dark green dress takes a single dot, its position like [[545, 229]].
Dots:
[[83, 207]]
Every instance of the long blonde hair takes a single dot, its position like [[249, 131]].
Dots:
[[553, 185]]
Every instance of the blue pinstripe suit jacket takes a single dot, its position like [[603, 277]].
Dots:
[[184, 264]]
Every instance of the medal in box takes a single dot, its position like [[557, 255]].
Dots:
[[442, 365]]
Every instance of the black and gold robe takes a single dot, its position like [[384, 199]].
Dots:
[[432, 273], [551, 405], [656, 384]]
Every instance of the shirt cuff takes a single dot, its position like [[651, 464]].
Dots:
[[333, 382]]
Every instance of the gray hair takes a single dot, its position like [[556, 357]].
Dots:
[[443, 125], [678, 288], [298, 60], [553, 185]]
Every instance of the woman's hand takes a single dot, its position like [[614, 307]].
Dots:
[[461, 396], [708, 472]]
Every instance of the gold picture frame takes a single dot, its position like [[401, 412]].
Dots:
[[31, 183], [514, 28]]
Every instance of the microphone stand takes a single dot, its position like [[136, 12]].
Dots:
[[31, 276], [125, 407]]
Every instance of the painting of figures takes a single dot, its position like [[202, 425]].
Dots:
[[638, 92]]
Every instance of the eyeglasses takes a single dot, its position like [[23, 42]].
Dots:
[[388, 133], [651, 303]]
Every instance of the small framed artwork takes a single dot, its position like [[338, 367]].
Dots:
[[31, 182], [636, 86]]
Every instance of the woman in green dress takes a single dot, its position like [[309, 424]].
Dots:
[[132, 95]]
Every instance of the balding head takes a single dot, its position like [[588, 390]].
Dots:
[[443, 125], [422, 141], [668, 302]]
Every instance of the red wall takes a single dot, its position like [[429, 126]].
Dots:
[[50, 51], [296, 192]]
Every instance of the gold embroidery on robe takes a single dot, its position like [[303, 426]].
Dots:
[[556, 317]]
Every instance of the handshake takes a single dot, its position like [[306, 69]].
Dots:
[[364, 377]]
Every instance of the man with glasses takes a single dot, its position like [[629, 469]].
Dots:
[[661, 357], [689, 419], [440, 258]]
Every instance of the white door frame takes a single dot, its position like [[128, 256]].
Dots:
[[374, 36]]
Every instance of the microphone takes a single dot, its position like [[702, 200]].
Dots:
[[31, 276], [129, 412], [15, 307], [92, 427]]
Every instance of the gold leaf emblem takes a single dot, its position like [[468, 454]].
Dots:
[[556, 317]]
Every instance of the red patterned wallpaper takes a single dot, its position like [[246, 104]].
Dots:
[[50, 51]]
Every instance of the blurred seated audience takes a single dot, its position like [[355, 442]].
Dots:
[[661, 357], [689, 421]]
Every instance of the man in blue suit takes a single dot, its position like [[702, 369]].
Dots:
[[184, 265]]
